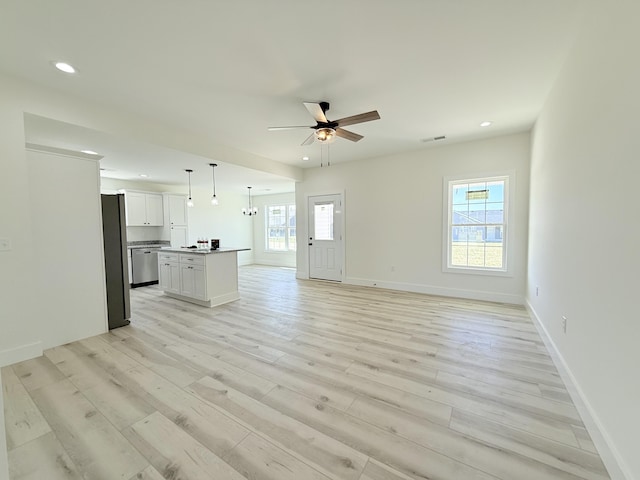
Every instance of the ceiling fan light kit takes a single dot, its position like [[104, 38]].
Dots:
[[325, 131], [325, 135]]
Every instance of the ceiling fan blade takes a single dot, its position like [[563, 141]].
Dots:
[[346, 134], [316, 112], [272, 129], [309, 139], [363, 117]]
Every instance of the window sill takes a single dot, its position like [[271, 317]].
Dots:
[[477, 271]]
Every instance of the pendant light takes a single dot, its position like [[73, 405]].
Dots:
[[190, 201], [251, 210], [214, 199]]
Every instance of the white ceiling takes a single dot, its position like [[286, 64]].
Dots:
[[227, 70]]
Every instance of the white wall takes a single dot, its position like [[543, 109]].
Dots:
[[4, 464], [394, 211], [224, 221], [68, 286], [584, 234], [261, 255]]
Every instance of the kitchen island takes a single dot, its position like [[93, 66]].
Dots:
[[204, 277]]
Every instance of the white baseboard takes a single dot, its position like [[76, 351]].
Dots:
[[302, 274], [440, 291], [19, 354], [610, 456], [275, 262]]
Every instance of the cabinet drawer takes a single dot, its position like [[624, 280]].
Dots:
[[168, 257], [192, 259]]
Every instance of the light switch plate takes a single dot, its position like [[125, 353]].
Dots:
[[5, 244]]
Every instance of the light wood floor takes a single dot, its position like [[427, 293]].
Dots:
[[299, 380]]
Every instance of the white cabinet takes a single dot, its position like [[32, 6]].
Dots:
[[207, 279], [193, 282], [178, 236], [144, 209], [169, 272], [177, 209], [176, 219], [130, 269]]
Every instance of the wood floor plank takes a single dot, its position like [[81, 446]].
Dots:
[[562, 457], [256, 458], [406, 456], [420, 406], [42, 458], [450, 443], [517, 417], [94, 445], [323, 392], [379, 471], [37, 373], [321, 451], [23, 421], [148, 473], [204, 423], [174, 453]]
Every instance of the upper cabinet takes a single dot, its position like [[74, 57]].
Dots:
[[144, 209], [177, 209]]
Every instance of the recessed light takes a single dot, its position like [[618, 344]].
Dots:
[[485, 124], [89, 152], [143, 175], [64, 67], [305, 159]]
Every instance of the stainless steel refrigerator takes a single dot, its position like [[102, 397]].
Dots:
[[115, 260]]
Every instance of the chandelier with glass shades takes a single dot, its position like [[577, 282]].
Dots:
[[251, 210]]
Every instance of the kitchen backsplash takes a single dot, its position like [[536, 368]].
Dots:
[[138, 234]]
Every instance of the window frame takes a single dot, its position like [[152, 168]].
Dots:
[[287, 228], [509, 194]]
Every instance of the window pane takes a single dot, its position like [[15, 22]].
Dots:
[[495, 213], [323, 221], [477, 224], [476, 192], [459, 194], [292, 239], [493, 255], [496, 191]]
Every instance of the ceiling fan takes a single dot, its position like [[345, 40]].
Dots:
[[325, 131]]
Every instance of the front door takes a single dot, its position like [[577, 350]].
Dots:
[[325, 237]]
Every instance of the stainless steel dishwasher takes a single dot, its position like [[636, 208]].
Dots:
[[144, 266]]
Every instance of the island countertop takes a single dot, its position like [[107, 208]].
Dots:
[[202, 251]]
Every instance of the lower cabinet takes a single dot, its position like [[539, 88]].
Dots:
[[183, 274], [193, 282], [206, 279], [169, 273]]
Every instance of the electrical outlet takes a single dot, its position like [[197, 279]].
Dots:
[[5, 244], [537, 291], [564, 324]]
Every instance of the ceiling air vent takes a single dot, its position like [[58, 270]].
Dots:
[[433, 139]]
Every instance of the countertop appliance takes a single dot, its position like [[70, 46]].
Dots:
[[144, 263], [115, 260]]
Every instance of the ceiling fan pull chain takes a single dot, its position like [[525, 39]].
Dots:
[[328, 155]]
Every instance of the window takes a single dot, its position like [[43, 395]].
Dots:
[[281, 228], [477, 224]]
